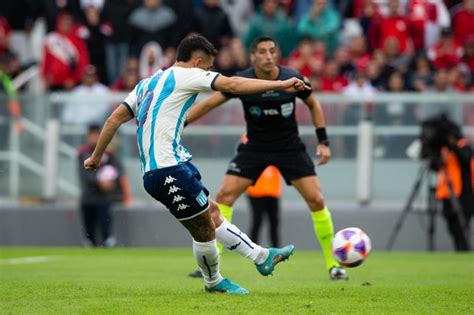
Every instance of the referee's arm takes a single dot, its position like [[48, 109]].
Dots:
[[201, 108], [317, 116]]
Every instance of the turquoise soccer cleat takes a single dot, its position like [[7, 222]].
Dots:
[[275, 256], [226, 286]]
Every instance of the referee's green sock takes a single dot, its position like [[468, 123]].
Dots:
[[226, 212], [324, 231]]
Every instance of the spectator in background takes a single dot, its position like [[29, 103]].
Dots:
[[10, 110], [446, 53], [463, 22], [394, 113], [360, 88], [459, 78], [332, 81], [440, 85], [4, 35], [98, 190], [96, 33], [184, 10], [395, 26], [116, 12], [153, 21], [359, 55], [370, 22], [87, 111], [213, 23], [271, 21], [420, 74], [65, 55], [264, 197], [342, 57], [240, 12], [129, 77], [51, 9], [386, 68], [362, 92], [375, 76], [468, 57], [151, 59], [306, 58], [427, 18], [441, 81], [239, 54], [225, 64], [316, 83], [20, 15], [395, 58], [301, 8], [322, 23]]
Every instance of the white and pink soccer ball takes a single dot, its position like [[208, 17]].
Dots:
[[351, 246]]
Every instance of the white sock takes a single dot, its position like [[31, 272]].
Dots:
[[207, 257], [235, 240]]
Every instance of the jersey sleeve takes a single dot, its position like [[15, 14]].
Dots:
[[131, 101], [202, 81], [304, 94]]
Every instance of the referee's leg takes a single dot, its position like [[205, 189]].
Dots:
[[310, 189]]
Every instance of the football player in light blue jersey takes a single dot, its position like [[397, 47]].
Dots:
[[160, 105]]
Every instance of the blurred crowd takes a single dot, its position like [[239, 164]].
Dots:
[[358, 46]]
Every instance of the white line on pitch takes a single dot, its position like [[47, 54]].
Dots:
[[28, 260]]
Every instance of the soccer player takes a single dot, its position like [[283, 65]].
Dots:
[[273, 139], [160, 104]]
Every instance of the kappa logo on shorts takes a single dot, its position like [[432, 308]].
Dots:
[[169, 180], [173, 189], [201, 198], [182, 206], [178, 198]]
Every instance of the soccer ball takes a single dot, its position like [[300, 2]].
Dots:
[[351, 246]]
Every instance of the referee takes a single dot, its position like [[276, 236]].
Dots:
[[273, 139]]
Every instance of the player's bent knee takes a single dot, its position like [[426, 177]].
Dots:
[[226, 196], [204, 233], [316, 203]]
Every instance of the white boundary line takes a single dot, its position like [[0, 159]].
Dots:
[[28, 260]]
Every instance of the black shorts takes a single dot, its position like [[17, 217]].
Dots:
[[293, 164]]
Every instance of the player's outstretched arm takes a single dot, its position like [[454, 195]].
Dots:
[[317, 116], [239, 85], [204, 106], [119, 116]]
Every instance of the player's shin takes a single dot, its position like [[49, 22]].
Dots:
[[227, 212], [207, 257], [324, 230], [233, 239]]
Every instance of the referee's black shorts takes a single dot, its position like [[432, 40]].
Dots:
[[292, 164]]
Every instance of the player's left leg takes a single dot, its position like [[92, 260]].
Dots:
[[234, 239], [309, 188]]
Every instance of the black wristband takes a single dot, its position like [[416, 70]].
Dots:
[[322, 136]]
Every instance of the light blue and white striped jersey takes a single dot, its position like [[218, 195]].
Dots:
[[160, 104]]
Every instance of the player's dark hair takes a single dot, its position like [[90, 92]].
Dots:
[[193, 43], [93, 128], [259, 40]]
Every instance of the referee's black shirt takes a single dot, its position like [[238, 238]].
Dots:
[[270, 116]]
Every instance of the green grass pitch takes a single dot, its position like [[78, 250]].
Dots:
[[153, 281]]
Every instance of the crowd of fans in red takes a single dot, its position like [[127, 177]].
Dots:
[[379, 45]]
